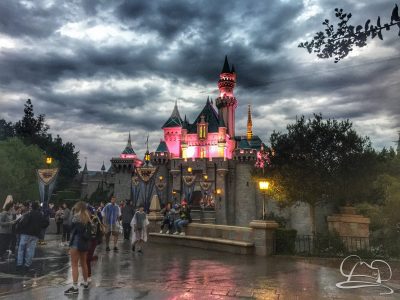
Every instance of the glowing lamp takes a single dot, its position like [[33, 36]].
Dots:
[[161, 178], [190, 169], [205, 176], [263, 185], [49, 160], [218, 191]]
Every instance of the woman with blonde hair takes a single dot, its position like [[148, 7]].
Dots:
[[79, 245], [9, 199]]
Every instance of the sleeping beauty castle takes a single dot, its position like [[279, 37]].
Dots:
[[203, 161]]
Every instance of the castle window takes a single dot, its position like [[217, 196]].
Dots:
[[202, 131]]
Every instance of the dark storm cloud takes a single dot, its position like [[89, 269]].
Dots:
[[17, 19], [181, 46]]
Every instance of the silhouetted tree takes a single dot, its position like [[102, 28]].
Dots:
[[339, 42]]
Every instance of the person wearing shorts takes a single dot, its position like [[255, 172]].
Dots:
[[111, 214]]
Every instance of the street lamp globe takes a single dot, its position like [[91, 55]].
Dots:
[[263, 185]]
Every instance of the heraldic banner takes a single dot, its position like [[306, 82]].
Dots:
[[46, 181]]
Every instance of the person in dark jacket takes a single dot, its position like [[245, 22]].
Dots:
[[95, 238], [128, 211], [79, 245], [29, 227], [66, 230]]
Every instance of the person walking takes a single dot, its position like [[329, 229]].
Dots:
[[79, 245], [6, 232], [30, 225], [59, 216], [111, 214], [139, 224], [95, 238], [66, 230], [128, 211]]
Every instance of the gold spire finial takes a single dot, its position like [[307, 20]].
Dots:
[[249, 124]]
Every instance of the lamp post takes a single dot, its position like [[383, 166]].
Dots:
[[263, 186]]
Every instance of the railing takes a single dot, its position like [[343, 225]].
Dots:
[[331, 245]]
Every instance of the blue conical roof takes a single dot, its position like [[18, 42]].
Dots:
[[162, 147], [175, 119]]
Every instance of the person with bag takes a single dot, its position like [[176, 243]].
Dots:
[[95, 238], [29, 226], [139, 225], [81, 231]]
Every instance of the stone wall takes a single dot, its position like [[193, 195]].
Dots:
[[245, 195], [122, 186]]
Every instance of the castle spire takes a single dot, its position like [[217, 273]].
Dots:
[[129, 144], [249, 124], [226, 68], [398, 145], [85, 169]]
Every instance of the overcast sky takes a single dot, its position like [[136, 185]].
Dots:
[[99, 69]]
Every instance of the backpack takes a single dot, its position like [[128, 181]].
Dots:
[[88, 231]]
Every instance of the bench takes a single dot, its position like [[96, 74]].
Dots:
[[232, 239]]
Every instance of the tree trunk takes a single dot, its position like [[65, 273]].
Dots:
[[313, 223]]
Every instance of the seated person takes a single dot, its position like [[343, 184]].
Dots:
[[184, 218], [168, 219]]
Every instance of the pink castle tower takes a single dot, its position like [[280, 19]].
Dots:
[[226, 102], [211, 135]]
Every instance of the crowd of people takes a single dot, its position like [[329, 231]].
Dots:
[[82, 228]]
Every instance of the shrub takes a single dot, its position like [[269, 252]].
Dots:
[[285, 241]]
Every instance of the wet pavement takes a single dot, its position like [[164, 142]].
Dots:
[[169, 272]]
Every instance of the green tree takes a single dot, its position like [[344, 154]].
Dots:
[[312, 162], [6, 130], [17, 170], [33, 129]]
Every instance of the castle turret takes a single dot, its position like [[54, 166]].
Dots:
[[173, 132], [226, 102]]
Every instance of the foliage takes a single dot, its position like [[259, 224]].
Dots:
[[17, 170], [99, 195], [6, 130], [62, 196], [339, 42], [329, 244], [278, 219], [285, 241], [313, 162], [33, 130], [384, 214]]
